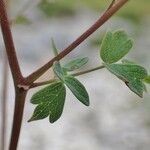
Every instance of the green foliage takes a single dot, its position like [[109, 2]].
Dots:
[[75, 64], [50, 101], [115, 45], [55, 50], [131, 74], [73, 84], [58, 70], [77, 89], [127, 71]]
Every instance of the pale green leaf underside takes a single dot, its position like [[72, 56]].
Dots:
[[127, 71], [76, 64], [131, 74], [50, 101], [137, 86], [115, 45], [55, 50], [58, 70], [77, 89]]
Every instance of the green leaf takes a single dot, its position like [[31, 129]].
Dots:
[[115, 45], [55, 50], [76, 64], [58, 70], [50, 101], [127, 71], [131, 74], [137, 86], [77, 89], [41, 111], [147, 80]]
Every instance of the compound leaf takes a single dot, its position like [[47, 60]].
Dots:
[[50, 101], [78, 89], [76, 64], [131, 74], [115, 45]]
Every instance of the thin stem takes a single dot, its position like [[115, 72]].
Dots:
[[15, 68], [18, 115], [4, 103], [37, 84], [109, 13], [9, 44], [88, 71], [16, 73]]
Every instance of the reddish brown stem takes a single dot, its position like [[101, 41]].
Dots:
[[16, 73], [109, 13], [9, 44], [19, 81], [37, 84], [18, 115]]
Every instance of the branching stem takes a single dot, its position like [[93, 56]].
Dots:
[[29, 81], [88, 71], [37, 84], [109, 13]]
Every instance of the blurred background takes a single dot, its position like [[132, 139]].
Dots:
[[117, 119]]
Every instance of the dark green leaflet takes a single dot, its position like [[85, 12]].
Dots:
[[127, 71], [131, 74], [115, 45], [77, 89], [58, 70], [50, 102]]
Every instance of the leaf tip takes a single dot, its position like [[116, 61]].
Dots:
[[140, 95], [52, 121], [30, 120], [87, 104]]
